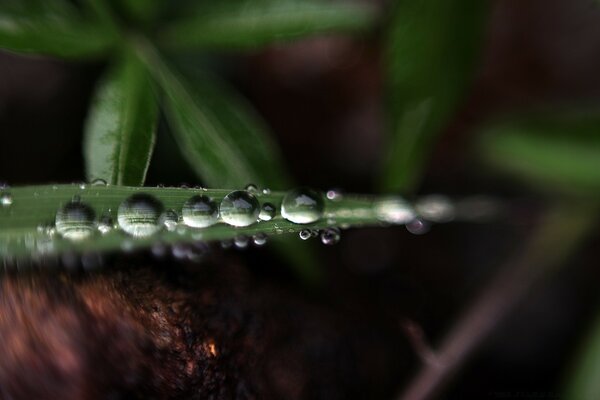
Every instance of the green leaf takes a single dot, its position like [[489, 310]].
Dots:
[[121, 127], [431, 51], [252, 23], [583, 384], [217, 132], [556, 152], [52, 28]]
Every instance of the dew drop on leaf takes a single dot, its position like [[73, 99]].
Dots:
[[267, 212], [75, 221], [199, 212], [394, 210], [241, 241], [139, 215], [302, 206], [6, 199], [170, 220], [259, 239], [239, 208]]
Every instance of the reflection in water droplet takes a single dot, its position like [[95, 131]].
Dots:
[[267, 212], [6, 199], [105, 224], [239, 208], [330, 236], [241, 241], [394, 210], [302, 206], [99, 182], [435, 208], [75, 221], [259, 239], [418, 227], [139, 215], [251, 188], [199, 212], [305, 234], [170, 219]]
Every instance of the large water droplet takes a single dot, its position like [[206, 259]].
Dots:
[[6, 199], [267, 212], [394, 210], [302, 206], [199, 212], [139, 215], [330, 236], [239, 208], [75, 221]]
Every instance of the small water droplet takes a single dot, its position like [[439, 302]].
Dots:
[[267, 212], [435, 208], [159, 250], [394, 210], [6, 199], [259, 239], [241, 241], [330, 236], [418, 227], [99, 182], [179, 251], [266, 191], [226, 244], [105, 224], [139, 215], [75, 221], [251, 188], [334, 194], [170, 220], [305, 234], [196, 251], [199, 212], [239, 208], [302, 206]]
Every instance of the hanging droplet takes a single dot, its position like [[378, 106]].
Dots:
[[302, 206], [226, 244], [75, 221], [99, 182], [251, 188], [6, 199], [305, 234], [394, 210], [330, 236], [241, 241], [139, 215], [334, 195], [267, 212], [435, 208], [418, 226], [259, 239], [239, 208], [105, 224], [170, 219], [199, 212]]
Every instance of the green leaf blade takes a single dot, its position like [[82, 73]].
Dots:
[[121, 128], [51, 28], [431, 52], [247, 24]]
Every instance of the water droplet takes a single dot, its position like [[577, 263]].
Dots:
[[199, 212], [330, 236], [394, 210], [305, 234], [170, 220], [267, 212], [139, 215], [105, 224], [6, 199], [241, 241], [196, 251], [226, 244], [302, 206], [179, 251], [435, 208], [239, 208], [251, 188], [334, 194], [418, 227], [82, 186], [159, 250], [259, 239], [266, 191], [99, 182], [75, 221]]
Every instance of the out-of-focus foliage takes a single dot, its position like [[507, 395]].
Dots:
[[584, 383], [430, 54]]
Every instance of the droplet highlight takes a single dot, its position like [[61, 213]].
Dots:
[[239, 208], [140, 215], [302, 206]]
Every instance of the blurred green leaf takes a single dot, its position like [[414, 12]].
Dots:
[[121, 127], [141, 10], [52, 28], [553, 151], [583, 384], [251, 23], [431, 51], [217, 132]]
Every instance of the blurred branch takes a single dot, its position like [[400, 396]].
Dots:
[[557, 236]]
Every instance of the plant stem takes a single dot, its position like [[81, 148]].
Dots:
[[557, 236]]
